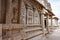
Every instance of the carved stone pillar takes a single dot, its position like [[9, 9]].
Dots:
[[39, 16], [51, 22], [42, 22], [57, 22], [23, 12], [47, 23]]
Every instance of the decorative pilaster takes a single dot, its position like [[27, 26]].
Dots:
[[0, 10], [15, 11], [9, 13]]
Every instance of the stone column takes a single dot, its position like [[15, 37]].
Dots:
[[42, 22], [9, 13], [57, 22], [2, 11], [51, 22], [39, 16], [47, 23]]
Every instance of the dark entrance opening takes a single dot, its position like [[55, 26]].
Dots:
[[45, 23]]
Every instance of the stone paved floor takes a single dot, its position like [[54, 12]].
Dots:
[[53, 36]]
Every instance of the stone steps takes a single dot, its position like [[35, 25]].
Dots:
[[29, 31], [33, 34]]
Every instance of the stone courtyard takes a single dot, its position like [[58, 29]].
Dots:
[[54, 36]]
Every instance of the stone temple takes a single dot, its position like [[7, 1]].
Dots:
[[26, 19]]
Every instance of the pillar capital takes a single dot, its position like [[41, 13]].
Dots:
[[42, 12]]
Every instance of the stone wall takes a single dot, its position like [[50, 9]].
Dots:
[[2, 11], [28, 17], [16, 12], [29, 13], [55, 22]]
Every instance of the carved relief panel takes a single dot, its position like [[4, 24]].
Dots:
[[29, 15], [23, 13], [36, 17], [15, 11], [26, 13]]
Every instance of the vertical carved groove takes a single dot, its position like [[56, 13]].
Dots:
[[19, 4]]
